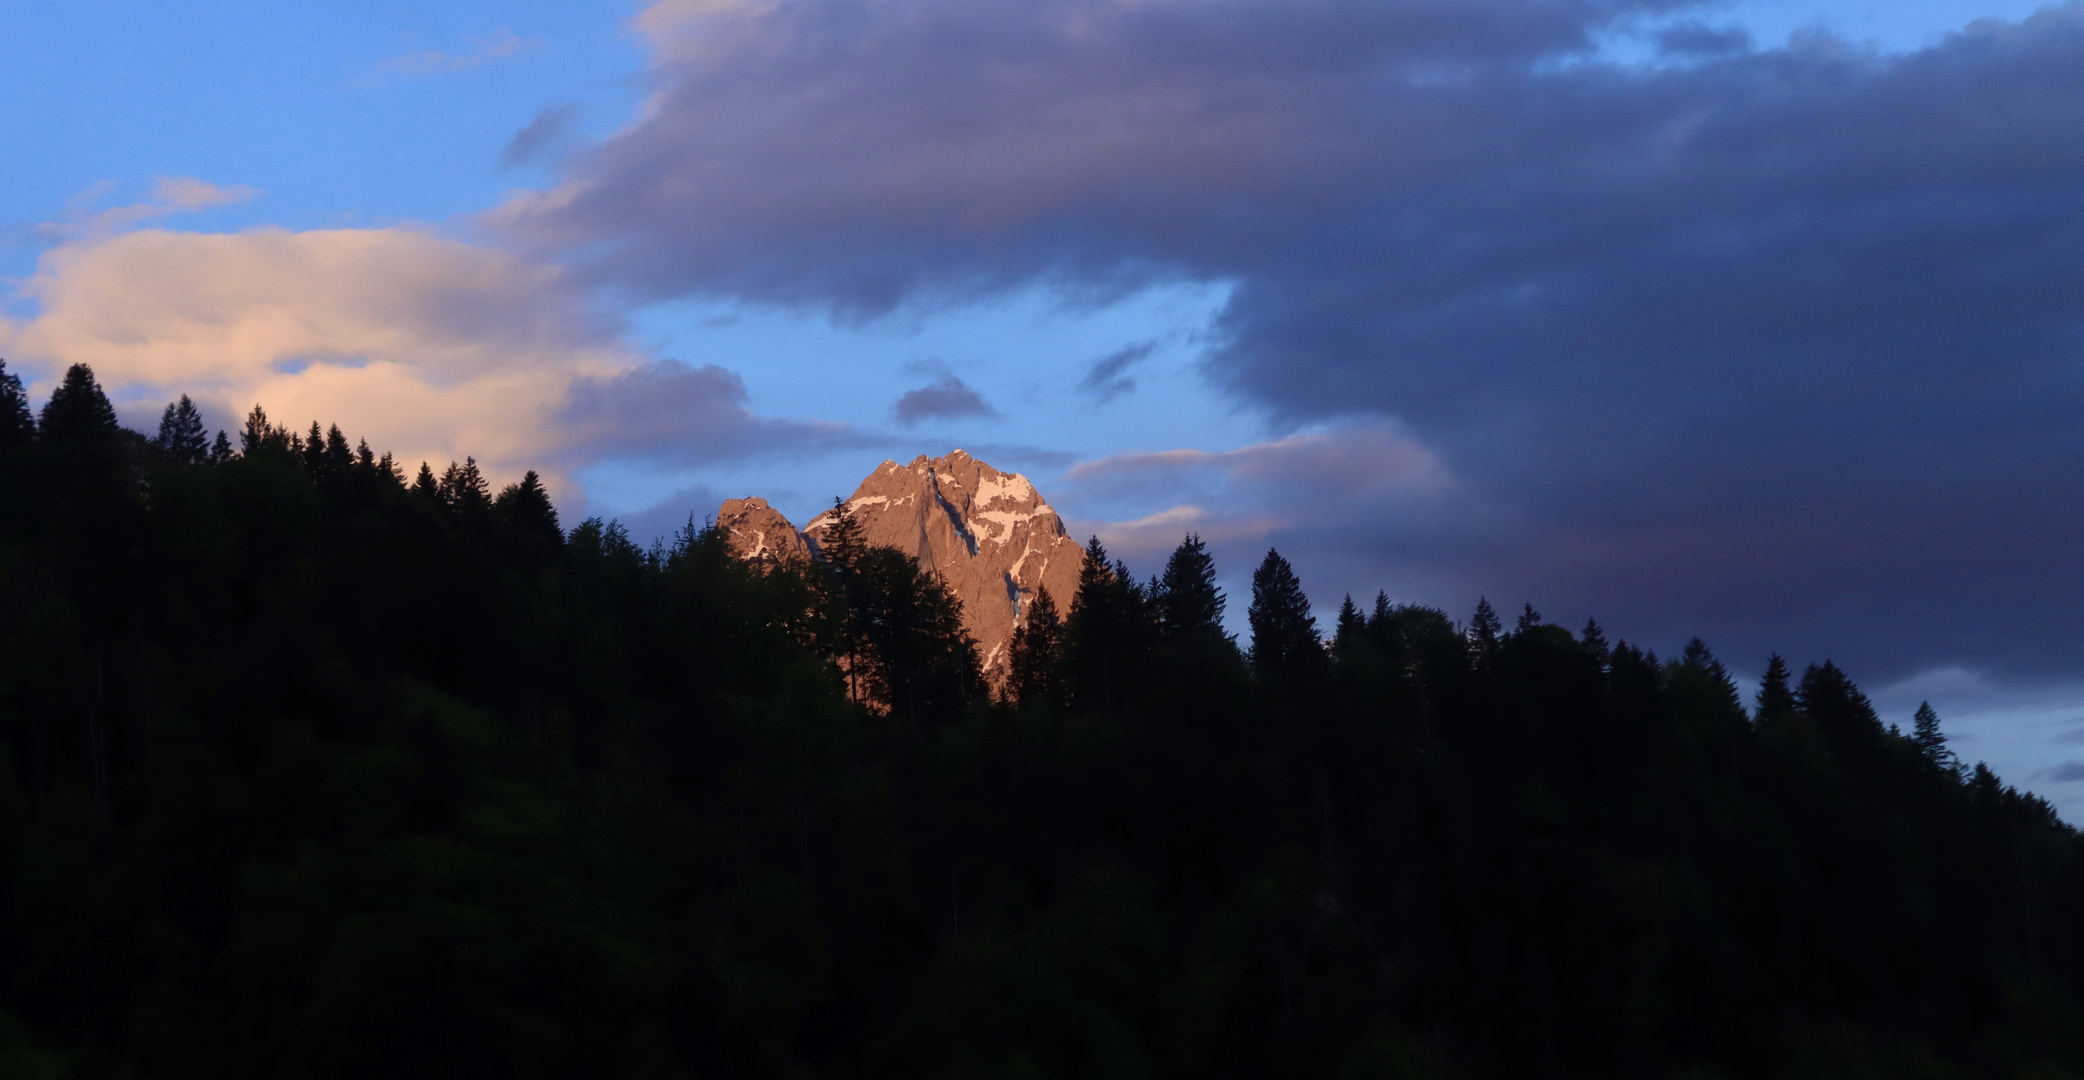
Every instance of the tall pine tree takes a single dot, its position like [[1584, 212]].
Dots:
[[1187, 599], [1285, 646], [17, 424]]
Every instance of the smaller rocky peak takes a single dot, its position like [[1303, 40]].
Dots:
[[758, 533]]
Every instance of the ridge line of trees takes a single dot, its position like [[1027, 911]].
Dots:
[[310, 769]]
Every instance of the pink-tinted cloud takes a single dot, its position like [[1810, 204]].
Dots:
[[430, 348]]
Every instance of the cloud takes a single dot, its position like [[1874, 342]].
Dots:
[[946, 398], [1776, 345], [2069, 772], [429, 347], [1108, 378], [1692, 38], [670, 413], [547, 129], [477, 52], [170, 195], [1329, 492]]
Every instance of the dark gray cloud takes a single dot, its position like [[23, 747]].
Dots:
[[945, 398], [549, 127], [1690, 38], [672, 413], [1781, 346], [2069, 772], [1108, 378]]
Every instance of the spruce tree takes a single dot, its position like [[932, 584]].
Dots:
[[1529, 619], [1187, 599], [1350, 626], [463, 488], [1775, 700], [17, 423], [1285, 646], [259, 434], [1845, 716], [78, 412], [1035, 657], [181, 439], [315, 461], [221, 449], [1483, 632], [842, 543], [1931, 741], [1594, 641], [527, 507], [1092, 633], [1383, 613], [426, 487]]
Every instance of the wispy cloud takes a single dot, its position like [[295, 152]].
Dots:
[[170, 195], [476, 52], [543, 133], [1108, 378]]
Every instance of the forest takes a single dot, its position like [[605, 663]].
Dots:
[[316, 764]]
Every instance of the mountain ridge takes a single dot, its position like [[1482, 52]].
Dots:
[[990, 535]]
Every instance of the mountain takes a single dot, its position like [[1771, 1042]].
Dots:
[[759, 532], [989, 534]]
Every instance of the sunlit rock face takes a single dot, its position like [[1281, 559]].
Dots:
[[989, 534], [759, 533]]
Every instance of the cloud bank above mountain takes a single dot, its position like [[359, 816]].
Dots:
[[1782, 341]]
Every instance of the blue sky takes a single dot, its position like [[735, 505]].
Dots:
[[1747, 320]]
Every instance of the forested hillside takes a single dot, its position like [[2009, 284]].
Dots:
[[314, 768]]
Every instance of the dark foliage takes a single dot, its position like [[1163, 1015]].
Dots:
[[311, 773]]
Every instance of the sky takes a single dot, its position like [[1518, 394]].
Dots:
[[1757, 321]]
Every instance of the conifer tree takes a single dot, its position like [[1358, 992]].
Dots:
[[1284, 633], [17, 424], [1092, 633], [221, 449], [1035, 657], [1931, 741], [1839, 709], [78, 412], [1350, 626], [527, 507], [842, 542], [1483, 632], [1529, 619], [259, 434], [181, 439], [338, 455], [1186, 598], [1383, 612], [1775, 701], [1594, 641], [463, 488], [425, 486], [1701, 663], [315, 462]]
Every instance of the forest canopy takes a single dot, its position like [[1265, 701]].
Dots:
[[312, 768]]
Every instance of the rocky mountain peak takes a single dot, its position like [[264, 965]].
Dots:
[[989, 534], [759, 532]]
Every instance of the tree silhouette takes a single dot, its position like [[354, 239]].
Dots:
[[78, 413], [17, 426], [1188, 601], [181, 439], [1285, 646]]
